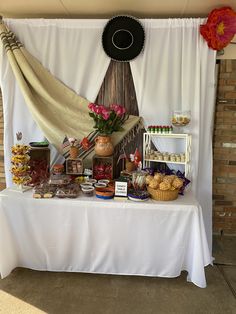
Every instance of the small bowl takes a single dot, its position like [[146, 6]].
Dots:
[[100, 185], [106, 181], [93, 181], [86, 185], [88, 191], [105, 193]]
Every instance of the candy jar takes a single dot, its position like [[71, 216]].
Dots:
[[180, 119], [139, 180]]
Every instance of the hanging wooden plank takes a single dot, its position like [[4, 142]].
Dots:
[[118, 88]]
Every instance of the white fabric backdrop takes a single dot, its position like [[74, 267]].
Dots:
[[177, 72], [71, 50]]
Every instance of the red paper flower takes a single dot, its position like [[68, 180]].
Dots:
[[220, 28], [85, 143]]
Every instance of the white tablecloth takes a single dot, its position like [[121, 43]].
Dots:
[[110, 237]]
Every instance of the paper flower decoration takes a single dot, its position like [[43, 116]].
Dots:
[[220, 28]]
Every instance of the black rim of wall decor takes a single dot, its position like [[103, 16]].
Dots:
[[123, 38]]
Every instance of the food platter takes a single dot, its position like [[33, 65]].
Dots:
[[137, 199], [138, 196]]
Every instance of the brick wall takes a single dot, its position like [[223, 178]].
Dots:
[[224, 153]]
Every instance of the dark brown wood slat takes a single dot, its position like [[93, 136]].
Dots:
[[129, 91], [118, 87]]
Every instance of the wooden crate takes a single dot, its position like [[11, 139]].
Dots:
[[74, 166], [39, 164]]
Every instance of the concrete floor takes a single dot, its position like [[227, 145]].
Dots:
[[27, 291]]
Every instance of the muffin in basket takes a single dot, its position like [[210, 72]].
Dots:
[[164, 188]]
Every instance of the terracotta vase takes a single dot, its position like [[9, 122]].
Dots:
[[103, 146], [73, 152]]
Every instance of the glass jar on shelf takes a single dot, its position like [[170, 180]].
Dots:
[[180, 119]]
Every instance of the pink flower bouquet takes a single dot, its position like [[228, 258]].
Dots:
[[108, 120]]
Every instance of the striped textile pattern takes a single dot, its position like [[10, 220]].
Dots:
[[9, 40], [82, 152]]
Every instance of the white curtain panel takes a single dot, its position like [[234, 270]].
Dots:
[[71, 50], [176, 71]]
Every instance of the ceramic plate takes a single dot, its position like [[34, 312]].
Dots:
[[137, 199]]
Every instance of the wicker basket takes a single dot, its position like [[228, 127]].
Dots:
[[160, 195]]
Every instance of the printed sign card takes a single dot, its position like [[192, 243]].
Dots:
[[121, 188]]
